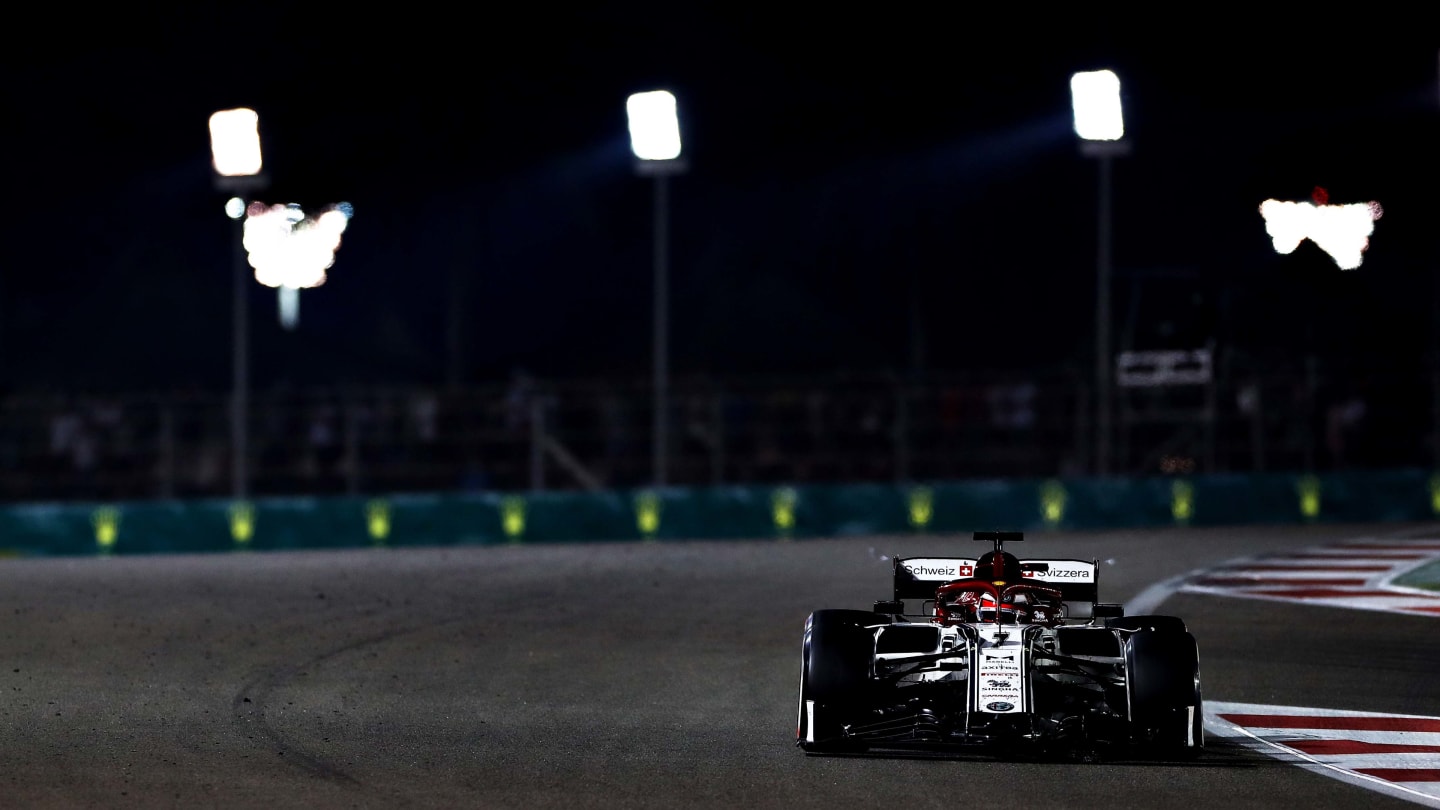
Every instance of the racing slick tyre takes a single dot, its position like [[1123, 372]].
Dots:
[[834, 676], [1163, 686]]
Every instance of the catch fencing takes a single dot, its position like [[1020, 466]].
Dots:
[[558, 435]]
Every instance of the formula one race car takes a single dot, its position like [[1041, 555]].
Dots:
[[997, 655]]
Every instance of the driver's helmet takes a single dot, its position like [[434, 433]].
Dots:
[[989, 609], [1008, 570], [977, 606], [960, 606]]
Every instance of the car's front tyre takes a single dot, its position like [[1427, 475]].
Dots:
[[835, 664], [1163, 685]]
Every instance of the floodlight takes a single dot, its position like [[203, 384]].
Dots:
[[1095, 96], [235, 142], [654, 125]]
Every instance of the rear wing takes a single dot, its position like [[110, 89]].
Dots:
[[918, 577]]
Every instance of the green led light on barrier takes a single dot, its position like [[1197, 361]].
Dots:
[[782, 509], [1052, 502], [377, 521], [1309, 489], [107, 528], [242, 523], [512, 518], [647, 514], [922, 507], [1182, 501]]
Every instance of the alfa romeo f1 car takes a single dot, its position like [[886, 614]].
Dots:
[[1002, 656]]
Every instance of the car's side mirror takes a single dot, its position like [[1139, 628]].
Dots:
[[1107, 610], [894, 607]]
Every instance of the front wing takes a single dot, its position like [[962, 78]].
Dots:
[[1042, 691]]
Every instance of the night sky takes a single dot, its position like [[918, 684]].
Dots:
[[895, 191]]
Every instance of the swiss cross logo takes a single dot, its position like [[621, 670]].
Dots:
[[1028, 573], [967, 570]]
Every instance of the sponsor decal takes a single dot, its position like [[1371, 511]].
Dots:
[[999, 706], [933, 570], [938, 569], [1059, 570], [1003, 685], [1068, 574]]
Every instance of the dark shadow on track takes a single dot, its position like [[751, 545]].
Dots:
[[1217, 754]]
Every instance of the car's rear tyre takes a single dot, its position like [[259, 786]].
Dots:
[[834, 677], [1163, 685]]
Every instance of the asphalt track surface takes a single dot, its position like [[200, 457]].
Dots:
[[594, 675]]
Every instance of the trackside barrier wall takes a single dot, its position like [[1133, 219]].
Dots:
[[753, 512]]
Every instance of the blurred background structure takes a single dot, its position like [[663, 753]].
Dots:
[[878, 270], [578, 434]]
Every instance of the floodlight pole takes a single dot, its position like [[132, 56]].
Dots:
[[240, 368], [1104, 153], [1102, 322], [240, 338], [660, 171], [662, 327]]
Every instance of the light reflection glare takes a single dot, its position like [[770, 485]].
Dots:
[[288, 248], [1342, 231]]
